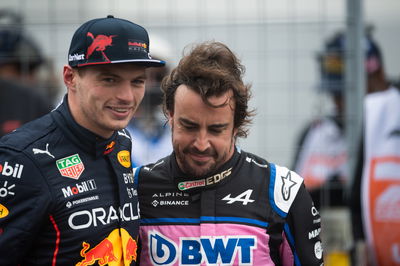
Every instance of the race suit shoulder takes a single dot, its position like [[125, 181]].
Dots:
[[67, 197], [248, 212]]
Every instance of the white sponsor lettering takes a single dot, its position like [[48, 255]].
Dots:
[[174, 202], [128, 178], [76, 57], [314, 233], [314, 211], [14, 171], [316, 221], [79, 201], [102, 216], [170, 194], [131, 192], [83, 186]]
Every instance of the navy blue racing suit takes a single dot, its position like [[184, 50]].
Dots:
[[67, 196]]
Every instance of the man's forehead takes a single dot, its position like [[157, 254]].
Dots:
[[184, 92]]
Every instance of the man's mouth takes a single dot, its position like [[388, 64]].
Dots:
[[120, 109]]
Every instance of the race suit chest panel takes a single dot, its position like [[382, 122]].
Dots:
[[95, 200], [225, 224]]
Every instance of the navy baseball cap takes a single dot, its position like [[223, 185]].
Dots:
[[109, 41]]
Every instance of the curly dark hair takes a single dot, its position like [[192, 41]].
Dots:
[[211, 69]]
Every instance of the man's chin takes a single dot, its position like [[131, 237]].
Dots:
[[118, 125], [197, 170]]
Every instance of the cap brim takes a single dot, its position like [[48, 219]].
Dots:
[[143, 62]]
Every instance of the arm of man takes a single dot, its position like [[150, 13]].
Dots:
[[303, 229], [24, 201]]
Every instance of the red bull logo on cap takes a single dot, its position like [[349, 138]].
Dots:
[[100, 43], [118, 248]]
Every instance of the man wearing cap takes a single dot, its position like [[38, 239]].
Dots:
[[67, 192]]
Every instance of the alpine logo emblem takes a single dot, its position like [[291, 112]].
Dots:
[[70, 166]]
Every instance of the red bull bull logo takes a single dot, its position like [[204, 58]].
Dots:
[[100, 43], [131, 250], [103, 253], [109, 148], [118, 248]]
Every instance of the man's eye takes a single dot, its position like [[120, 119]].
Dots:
[[216, 130], [109, 80], [189, 127], [138, 81]]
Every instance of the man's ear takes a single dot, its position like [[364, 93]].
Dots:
[[235, 131], [69, 77]]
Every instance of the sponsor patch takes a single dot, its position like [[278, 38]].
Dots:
[[216, 250], [205, 182], [117, 248], [318, 250], [81, 187], [109, 148], [3, 211], [124, 158], [70, 166], [137, 46], [79, 201]]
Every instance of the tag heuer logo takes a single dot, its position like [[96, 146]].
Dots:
[[70, 166]]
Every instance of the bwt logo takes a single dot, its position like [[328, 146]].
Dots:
[[208, 250]]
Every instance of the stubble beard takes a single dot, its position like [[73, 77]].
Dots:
[[195, 169]]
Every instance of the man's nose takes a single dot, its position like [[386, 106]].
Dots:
[[124, 92], [202, 141]]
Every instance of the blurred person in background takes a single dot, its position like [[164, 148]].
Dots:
[[322, 149], [321, 156], [375, 192], [20, 60], [150, 132]]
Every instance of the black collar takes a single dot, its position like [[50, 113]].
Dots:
[[192, 184]]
